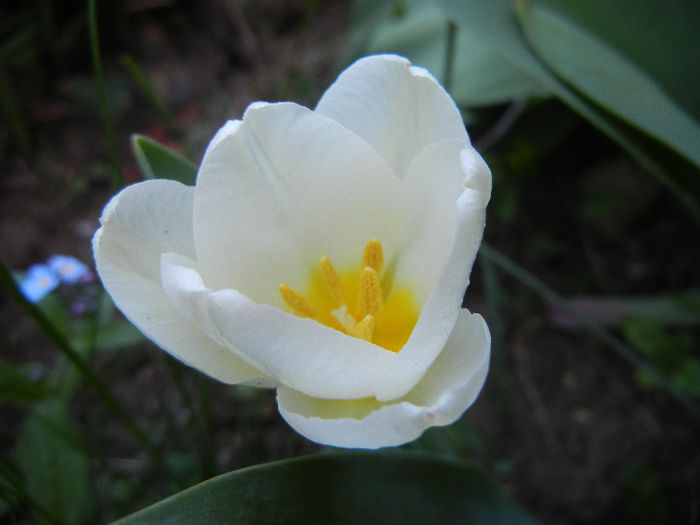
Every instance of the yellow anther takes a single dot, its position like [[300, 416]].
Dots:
[[353, 302], [373, 255], [365, 328], [299, 304], [330, 277], [371, 299]]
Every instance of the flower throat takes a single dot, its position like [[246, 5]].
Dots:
[[355, 302]]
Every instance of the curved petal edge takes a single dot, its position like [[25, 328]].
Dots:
[[446, 391]]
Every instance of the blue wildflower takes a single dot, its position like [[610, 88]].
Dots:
[[39, 280], [69, 269]]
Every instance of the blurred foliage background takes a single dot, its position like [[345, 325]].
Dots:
[[588, 114]]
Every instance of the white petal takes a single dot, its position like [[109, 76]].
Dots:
[[138, 224], [187, 293], [478, 175], [300, 353], [434, 182], [282, 188], [397, 108], [442, 307], [454, 380], [445, 392], [296, 352]]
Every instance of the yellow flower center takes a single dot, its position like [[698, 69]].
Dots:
[[358, 302]]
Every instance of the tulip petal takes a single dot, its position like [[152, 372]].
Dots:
[[283, 187], [454, 380], [300, 353], [448, 388], [434, 182], [297, 352], [397, 108], [442, 307], [138, 224]]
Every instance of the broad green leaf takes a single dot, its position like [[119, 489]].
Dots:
[[605, 75], [495, 24], [401, 487], [660, 37], [55, 467], [160, 162], [479, 77]]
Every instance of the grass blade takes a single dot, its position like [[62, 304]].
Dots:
[[107, 125]]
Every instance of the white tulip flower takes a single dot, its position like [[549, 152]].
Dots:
[[324, 253]]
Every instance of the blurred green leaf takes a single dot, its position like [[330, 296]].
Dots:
[[660, 37], [160, 162], [400, 487], [102, 99], [141, 78], [664, 347], [605, 75], [55, 467], [670, 351], [117, 334], [480, 76], [23, 383], [687, 376], [643, 495], [9, 105], [495, 24]]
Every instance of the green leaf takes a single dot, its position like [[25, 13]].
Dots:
[[495, 24], [113, 335], [400, 487], [480, 75], [118, 334], [141, 78], [605, 75], [660, 37], [55, 467], [20, 383], [160, 162]]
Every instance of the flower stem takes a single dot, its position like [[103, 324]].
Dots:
[[448, 68]]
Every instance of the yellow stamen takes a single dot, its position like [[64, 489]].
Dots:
[[330, 277], [365, 328], [373, 255], [299, 304], [370, 300], [354, 303]]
